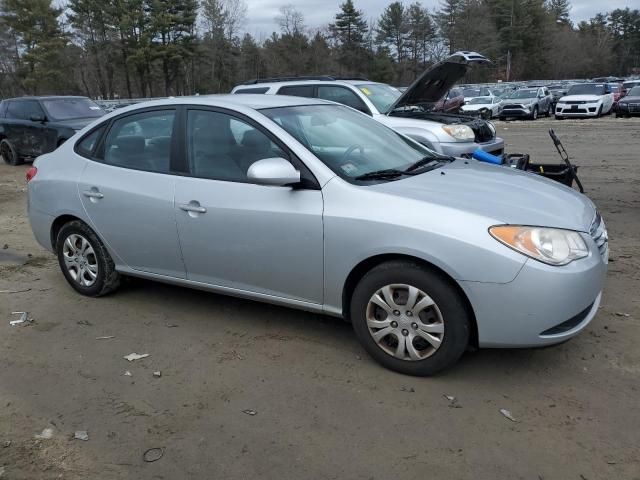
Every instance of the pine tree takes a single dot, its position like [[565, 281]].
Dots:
[[349, 31], [559, 10], [393, 29]]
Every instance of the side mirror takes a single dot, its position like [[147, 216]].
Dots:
[[37, 117], [273, 171]]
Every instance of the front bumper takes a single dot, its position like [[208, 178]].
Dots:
[[586, 110], [542, 306], [466, 149], [514, 112]]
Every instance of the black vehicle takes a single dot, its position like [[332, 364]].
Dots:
[[32, 126], [630, 104]]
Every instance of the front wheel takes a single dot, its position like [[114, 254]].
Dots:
[[534, 113], [599, 114], [85, 261], [409, 318], [9, 154]]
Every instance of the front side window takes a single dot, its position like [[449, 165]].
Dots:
[[342, 95], [24, 110], [382, 96], [71, 108], [297, 91], [141, 141], [223, 147], [347, 142]]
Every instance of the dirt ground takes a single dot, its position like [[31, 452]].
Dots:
[[324, 410]]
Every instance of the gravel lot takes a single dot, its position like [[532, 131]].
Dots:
[[324, 409]]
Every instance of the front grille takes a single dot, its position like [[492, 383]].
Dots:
[[598, 232], [512, 106], [575, 102], [634, 107]]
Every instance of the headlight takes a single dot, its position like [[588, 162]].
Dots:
[[552, 246], [459, 132]]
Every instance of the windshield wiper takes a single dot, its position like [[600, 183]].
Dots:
[[381, 174], [426, 161]]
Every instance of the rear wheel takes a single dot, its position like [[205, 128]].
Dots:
[[409, 318], [85, 261], [9, 154]]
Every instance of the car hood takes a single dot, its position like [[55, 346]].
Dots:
[[628, 99], [502, 194], [476, 106], [520, 101], [436, 81], [76, 123], [583, 98]]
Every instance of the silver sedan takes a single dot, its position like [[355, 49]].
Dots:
[[312, 205]]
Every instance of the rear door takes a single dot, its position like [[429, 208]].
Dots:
[[15, 125], [127, 191], [34, 141], [239, 235]]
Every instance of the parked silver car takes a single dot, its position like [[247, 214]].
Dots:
[[527, 103], [310, 204]]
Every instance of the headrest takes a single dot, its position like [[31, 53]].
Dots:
[[256, 140], [131, 144]]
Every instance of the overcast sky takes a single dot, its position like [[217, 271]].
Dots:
[[317, 13]]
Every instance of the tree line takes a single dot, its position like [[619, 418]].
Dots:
[[145, 48]]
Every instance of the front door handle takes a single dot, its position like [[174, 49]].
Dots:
[[192, 207]]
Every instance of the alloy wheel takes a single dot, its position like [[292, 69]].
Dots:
[[405, 322], [80, 260]]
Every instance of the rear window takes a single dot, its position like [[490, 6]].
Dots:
[[252, 90], [297, 91]]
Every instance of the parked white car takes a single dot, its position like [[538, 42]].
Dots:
[[585, 100], [414, 112], [487, 107]]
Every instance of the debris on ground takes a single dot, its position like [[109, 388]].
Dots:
[[46, 434], [127, 373], [84, 322], [81, 435], [135, 356], [250, 412], [1, 471], [106, 337], [153, 454], [172, 325], [408, 389], [453, 401], [157, 374], [24, 318], [621, 314], [6, 444], [15, 291], [507, 414], [5, 246]]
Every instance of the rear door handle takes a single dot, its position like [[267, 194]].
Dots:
[[192, 207], [93, 193]]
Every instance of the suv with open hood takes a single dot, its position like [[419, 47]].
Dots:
[[412, 112]]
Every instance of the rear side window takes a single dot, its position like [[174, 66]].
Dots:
[[141, 141], [87, 145], [342, 95], [253, 90], [24, 109], [3, 109], [297, 91]]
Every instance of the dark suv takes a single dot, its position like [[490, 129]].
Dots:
[[32, 126]]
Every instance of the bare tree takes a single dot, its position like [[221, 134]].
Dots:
[[290, 20]]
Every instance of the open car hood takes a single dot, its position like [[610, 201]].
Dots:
[[436, 81]]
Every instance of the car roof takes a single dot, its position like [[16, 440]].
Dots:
[[305, 82]]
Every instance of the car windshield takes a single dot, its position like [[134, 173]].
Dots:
[[479, 101], [71, 108], [524, 94], [382, 96], [634, 92], [587, 89], [349, 143]]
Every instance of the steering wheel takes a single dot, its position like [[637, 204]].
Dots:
[[350, 150]]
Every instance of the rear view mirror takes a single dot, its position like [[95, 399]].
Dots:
[[273, 171]]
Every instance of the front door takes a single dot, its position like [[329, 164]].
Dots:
[[239, 235], [128, 193]]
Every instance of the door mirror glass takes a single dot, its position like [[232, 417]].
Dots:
[[273, 171]]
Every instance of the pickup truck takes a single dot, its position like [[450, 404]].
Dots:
[[32, 126]]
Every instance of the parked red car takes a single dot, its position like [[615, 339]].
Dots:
[[452, 101]]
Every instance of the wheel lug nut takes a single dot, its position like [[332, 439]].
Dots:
[[414, 326], [405, 332], [396, 313], [409, 313], [394, 324]]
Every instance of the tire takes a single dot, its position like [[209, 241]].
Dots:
[[534, 113], [446, 323], [9, 154], [558, 117], [599, 114], [502, 119], [78, 269]]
